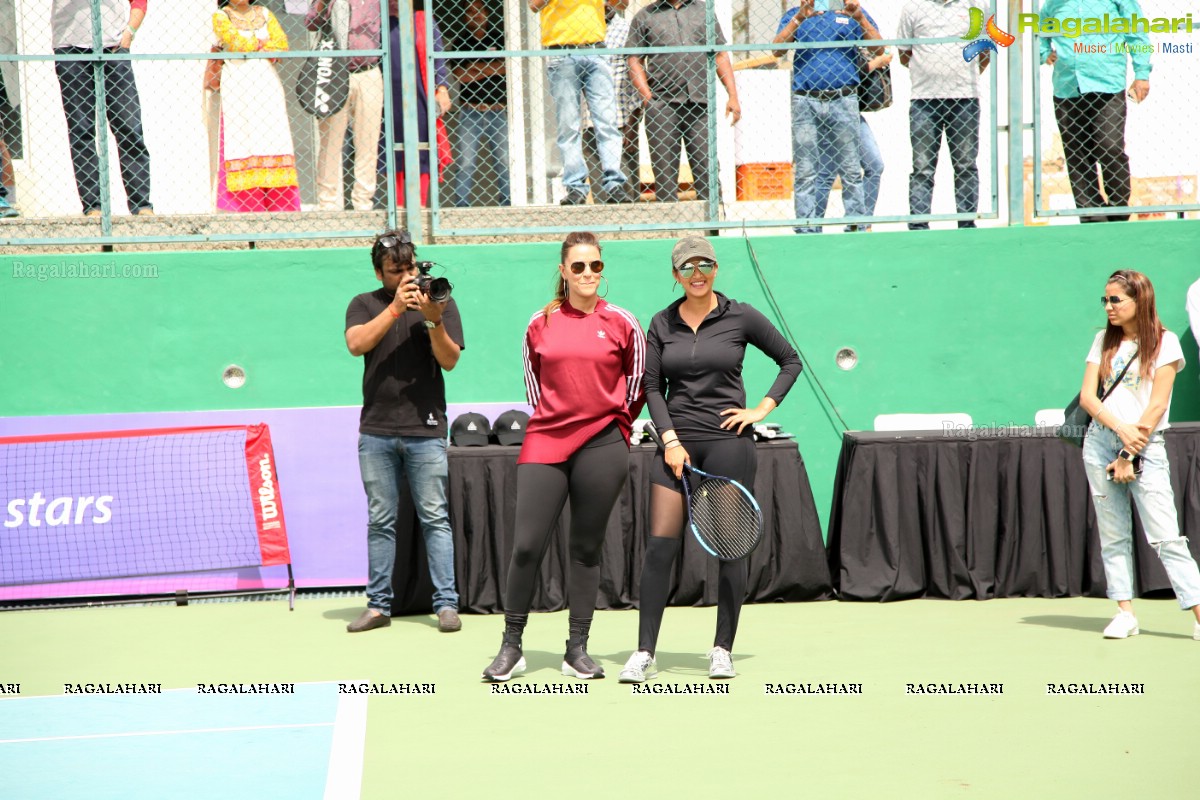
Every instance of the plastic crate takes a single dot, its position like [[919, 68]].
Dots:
[[764, 181]]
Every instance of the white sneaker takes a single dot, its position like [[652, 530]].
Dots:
[[1123, 626], [720, 663], [1196, 631], [638, 668]]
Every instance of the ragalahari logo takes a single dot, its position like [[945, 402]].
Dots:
[[994, 34]]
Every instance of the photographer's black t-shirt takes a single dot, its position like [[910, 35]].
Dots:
[[404, 393]]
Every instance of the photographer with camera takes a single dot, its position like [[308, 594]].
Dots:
[[408, 331]]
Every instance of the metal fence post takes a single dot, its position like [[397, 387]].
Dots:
[[1016, 121]]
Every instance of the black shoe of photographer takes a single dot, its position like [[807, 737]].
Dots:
[[369, 620], [574, 198]]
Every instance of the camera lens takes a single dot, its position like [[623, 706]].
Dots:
[[438, 289]]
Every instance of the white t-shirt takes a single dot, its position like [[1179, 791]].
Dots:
[[1129, 400], [938, 71], [1193, 308]]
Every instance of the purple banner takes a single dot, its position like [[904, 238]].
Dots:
[[316, 455]]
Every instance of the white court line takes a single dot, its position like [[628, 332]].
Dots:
[[168, 733], [343, 780]]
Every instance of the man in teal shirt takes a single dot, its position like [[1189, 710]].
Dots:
[[1089, 99]]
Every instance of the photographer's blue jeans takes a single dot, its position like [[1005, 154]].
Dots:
[[385, 461], [927, 120], [828, 128], [1156, 508], [569, 76]]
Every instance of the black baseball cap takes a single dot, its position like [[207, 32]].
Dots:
[[470, 430], [510, 427]]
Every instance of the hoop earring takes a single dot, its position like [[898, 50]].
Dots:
[[605, 279]]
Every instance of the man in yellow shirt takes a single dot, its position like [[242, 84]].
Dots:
[[576, 27]]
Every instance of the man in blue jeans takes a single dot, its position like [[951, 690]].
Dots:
[[576, 27], [406, 339], [825, 118], [945, 99]]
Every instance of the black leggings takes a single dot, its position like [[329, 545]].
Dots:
[[732, 458], [592, 478]]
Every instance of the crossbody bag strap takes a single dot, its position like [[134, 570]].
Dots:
[[1117, 382]]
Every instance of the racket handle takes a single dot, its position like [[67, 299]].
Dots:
[[653, 432]]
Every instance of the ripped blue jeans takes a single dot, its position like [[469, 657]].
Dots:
[[1156, 508]]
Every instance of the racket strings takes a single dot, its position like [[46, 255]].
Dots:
[[725, 518]]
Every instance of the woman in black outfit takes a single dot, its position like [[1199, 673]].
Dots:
[[694, 390]]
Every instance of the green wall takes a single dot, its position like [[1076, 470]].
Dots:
[[995, 323]]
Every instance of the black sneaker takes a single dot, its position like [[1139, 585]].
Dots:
[[573, 198], [508, 662], [578, 663], [621, 194]]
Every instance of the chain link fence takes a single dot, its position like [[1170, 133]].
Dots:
[[285, 120], [1108, 85]]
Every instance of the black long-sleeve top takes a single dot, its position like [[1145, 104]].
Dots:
[[692, 377]]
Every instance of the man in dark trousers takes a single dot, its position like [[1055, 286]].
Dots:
[[674, 89]]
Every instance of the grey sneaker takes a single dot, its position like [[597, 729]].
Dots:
[[720, 663], [639, 668], [369, 620], [448, 621]]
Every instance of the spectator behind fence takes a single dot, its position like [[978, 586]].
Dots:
[[7, 115], [945, 99], [573, 26], [674, 90], [482, 116], [871, 159], [825, 114], [441, 96], [356, 26], [629, 105], [71, 25], [257, 162], [1089, 101]]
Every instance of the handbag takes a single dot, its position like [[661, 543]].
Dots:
[[874, 85], [323, 83], [1076, 420]]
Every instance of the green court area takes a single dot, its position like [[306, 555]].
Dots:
[[922, 699]]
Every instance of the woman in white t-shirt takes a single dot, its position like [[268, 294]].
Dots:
[[1126, 436]]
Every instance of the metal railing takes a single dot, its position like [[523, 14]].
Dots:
[[505, 174]]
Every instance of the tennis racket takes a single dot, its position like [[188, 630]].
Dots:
[[723, 516]]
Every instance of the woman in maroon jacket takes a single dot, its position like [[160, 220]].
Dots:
[[583, 375]]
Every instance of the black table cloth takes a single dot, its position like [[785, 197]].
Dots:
[[983, 513], [789, 565]]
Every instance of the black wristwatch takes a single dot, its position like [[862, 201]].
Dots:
[[1125, 455]]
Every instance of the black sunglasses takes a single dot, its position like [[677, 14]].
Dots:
[[705, 267], [1114, 300], [392, 240], [577, 267]]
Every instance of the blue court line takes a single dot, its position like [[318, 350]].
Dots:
[[182, 744]]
